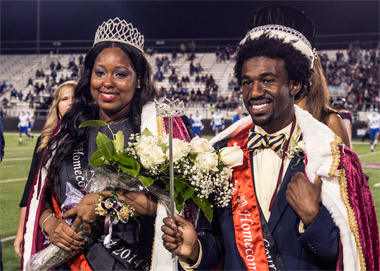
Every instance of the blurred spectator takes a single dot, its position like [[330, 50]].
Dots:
[[53, 75], [14, 93], [174, 55], [23, 126], [183, 48], [373, 124], [3, 86], [217, 121], [20, 95], [59, 66], [197, 125], [2, 141], [52, 65], [80, 58], [237, 115], [71, 62]]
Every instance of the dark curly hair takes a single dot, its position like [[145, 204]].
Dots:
[[297, 64], [84, 107]]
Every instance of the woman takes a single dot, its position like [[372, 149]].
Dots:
[[63, 98], [115, 87], [316, 101]]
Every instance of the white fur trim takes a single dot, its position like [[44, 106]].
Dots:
[[317, 138], [289, 35], [232, 130], [31, 219], [161, 260], [148, 118]]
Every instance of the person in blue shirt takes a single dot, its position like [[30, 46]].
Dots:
[[237, 115]]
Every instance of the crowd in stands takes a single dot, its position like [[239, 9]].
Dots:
[[45, 82], [357, 72]]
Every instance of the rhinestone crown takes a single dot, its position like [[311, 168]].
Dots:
[[119, 31]]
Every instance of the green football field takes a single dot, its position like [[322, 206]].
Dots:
[[15, 167]]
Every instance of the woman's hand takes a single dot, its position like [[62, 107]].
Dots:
[[20, 231], [62, 235], [84, 213], [145, 204]]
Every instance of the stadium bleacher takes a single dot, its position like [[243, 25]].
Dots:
[[18, 69]]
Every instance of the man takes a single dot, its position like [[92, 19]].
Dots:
[[197, 124], [217, 121], [23, 126], [31, 120], [2, 141], [277, 219], [237, 115], [373, 124]]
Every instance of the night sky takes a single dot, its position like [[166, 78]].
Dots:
[[78, 20]]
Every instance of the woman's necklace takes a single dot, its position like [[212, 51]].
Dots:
[[113, 121]]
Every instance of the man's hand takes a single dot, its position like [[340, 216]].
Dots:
[[180, 237], [304, 197]]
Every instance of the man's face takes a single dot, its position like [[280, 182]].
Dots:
[[268, 94]]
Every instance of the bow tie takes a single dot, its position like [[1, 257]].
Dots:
[[256, 141]]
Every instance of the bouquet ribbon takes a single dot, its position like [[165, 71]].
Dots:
[[115, 207]]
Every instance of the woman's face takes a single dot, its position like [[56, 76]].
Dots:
[[66, 101], [113, 84]]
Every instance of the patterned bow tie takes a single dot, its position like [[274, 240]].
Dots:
[[256, 141]]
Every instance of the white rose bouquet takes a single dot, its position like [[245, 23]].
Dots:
[[199, 169]]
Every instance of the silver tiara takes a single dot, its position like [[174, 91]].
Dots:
[[119, 31], [290, 35]]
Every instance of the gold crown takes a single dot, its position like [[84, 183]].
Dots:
[[120, 31]]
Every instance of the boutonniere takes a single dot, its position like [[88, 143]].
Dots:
[[296, 149]]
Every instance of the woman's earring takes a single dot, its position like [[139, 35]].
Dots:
[[138, 84]]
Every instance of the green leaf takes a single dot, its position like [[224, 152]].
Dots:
[[127, 164], [179, 202], [97, 159], [125, 160], [192, 157], [179, 186], [92, 123], [146, 132], [205, 205], [128, 170], [146, 181], [119, 141], [105, 145], [187, 193], [164, 147]]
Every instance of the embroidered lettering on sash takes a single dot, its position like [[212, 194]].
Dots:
[[78, 156]]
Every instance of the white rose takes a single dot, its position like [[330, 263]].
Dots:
[[180, 149], [152, 157], [198, 145], [231, 156], [149, 153], [206, 161], [301, 145], [144, 143]]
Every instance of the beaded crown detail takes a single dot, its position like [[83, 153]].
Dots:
[[290, 35], [120, 31]]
